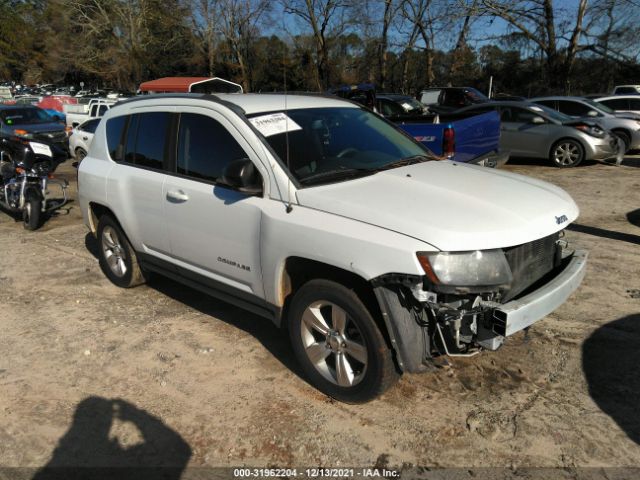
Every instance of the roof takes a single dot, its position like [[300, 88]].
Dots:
[[559, 97], [189, 84], [264, 102], [250, 103], [616, 97], [13, 106]]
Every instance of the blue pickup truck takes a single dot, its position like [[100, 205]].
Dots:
[[462, 137]]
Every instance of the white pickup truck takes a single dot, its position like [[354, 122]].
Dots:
[[330, 221], [77, 114]]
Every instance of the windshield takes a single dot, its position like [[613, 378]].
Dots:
[[25, 116], [551, 113], [598, 106], [327, 141], [476, 96], [410, 104]]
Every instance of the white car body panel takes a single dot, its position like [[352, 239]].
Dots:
[[79, 139], [370, 226], [439, 203]]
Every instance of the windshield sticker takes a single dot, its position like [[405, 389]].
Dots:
[[274, 123], [41, 149]]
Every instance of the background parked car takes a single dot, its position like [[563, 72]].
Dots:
[[530, 130], [625, 125], [622, 103], [81, 138], [19, 124], [626, 90], [440, 99], [394, 104]]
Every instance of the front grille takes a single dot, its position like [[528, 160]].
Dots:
[[530, 262]]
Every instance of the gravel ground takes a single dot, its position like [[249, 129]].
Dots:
[[92, 375]]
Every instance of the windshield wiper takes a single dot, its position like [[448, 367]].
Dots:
[[403, 162], [336, 175]]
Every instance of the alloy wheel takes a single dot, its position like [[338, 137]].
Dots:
[[114, 253], [334, 344], [566, 153]]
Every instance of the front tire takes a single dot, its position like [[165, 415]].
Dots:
[[31, 213], [117, 257], [338, 343], [566, 153], [80, 154], [625, 137]]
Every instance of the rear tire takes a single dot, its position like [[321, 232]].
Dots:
[[117, 257], [566, 153], [338, 343], [31, 213]]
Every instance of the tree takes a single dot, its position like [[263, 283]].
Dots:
[[327, 20], [536, 21], [239, 20]]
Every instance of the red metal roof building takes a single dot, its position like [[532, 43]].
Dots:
[[190, 85]]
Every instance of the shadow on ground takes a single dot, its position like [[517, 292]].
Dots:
[[610, 360], [601, 232], [634, 217], [545, 162], [275, 340], [88, 450]]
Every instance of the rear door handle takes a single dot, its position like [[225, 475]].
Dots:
[[177, 196]]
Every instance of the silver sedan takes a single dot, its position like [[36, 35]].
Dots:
[[530, 130]]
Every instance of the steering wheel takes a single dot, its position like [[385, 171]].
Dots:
[[347, 152]]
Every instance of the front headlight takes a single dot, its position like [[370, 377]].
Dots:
[[591, 130], [466, 269], [23, 134]]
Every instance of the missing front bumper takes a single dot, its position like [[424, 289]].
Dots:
[[521, 313]]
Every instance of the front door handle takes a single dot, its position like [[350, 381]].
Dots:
[[177, 196]]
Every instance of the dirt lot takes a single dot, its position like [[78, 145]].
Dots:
[[160, 375]]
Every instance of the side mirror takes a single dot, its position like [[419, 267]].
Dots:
[[592, 113], [242, 175], [537, 120]]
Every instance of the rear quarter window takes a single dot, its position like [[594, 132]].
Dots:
[[115, 128]]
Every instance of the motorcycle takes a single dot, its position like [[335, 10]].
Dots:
[[25, 182]]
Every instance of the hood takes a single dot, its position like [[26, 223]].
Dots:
[[452, 206], [39, 127]]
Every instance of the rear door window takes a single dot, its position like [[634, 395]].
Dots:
[[90, 126], [205, 147], [634, 104], [146, 137], [575, 109], [617, 103], [548, 103]]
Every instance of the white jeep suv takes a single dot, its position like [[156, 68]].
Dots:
[[331, 222]]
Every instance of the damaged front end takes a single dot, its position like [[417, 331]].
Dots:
[[467, 301]]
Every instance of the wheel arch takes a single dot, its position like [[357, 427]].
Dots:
[[97, 210], [297, 271], [625, 132]]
